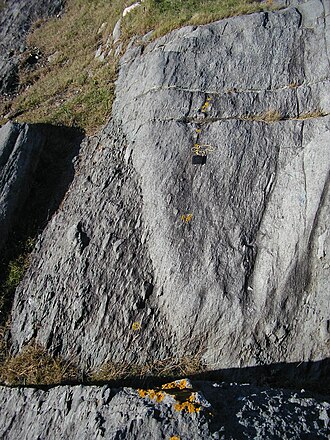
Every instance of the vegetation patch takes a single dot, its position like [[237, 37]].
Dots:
[[12, 275], [268, 117], [67, 84], [34, 366], [170, 367], [312, 114]]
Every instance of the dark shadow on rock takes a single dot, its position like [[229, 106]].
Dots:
[[239, 410], [53, 175], [48, 184], [254, 390], [311, 377]]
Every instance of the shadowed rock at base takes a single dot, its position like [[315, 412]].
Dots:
[[225, 411]]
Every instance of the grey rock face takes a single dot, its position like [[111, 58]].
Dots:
[[228, 412], [16, 18], [103, 238], [20, 149], [245, 280]]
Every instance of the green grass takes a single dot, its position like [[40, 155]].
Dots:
[[12, 274], [13, 266], [163, 16], [69, 86]]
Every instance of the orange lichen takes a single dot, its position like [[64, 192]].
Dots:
[[181, 384], [158, 396], [175, 437], [187, 406], [177, 390], [142, 393]]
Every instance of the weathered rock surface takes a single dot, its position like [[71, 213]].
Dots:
[[111, 263], [246, 280], [226, 412], [16, 18]]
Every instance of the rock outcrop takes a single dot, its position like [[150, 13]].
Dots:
[[150, 256], [16, 19], [215, 411]]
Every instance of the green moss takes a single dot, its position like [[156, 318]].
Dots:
[[13, 271], [16, 271]]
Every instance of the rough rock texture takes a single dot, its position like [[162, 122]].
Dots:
[[104, 242], [16, 18], [229, 412], [20, 149], [245, 280]]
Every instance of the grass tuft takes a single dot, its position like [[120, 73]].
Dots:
[[169, 367], [34, 366], [268, 116], [312, 114]]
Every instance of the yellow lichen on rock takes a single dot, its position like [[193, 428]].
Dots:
[[136, 326], [186, 218], [206, 105], [158, 396], [187, 406], [180, 392], [181, 384], [142, 393]]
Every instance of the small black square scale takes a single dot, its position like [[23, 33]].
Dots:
[[198, 160]]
